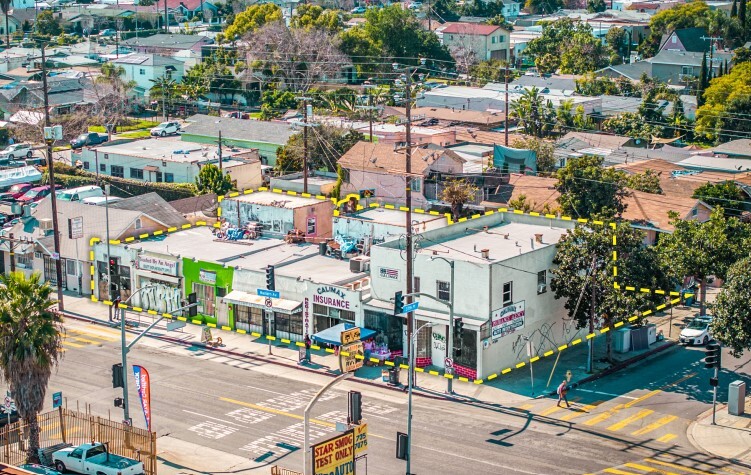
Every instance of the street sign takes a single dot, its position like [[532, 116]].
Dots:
[[75, 227], [410, 307], [8, 404], [55, 256], [336, 455], [348, 336], [57, 399], [268, 293], [361, 439], [268, 302]]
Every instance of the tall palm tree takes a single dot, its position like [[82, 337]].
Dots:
[[30, 346], [5, 5], [164, 90]]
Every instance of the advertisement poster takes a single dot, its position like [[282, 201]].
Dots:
[[335, 456], [143, 384], [507, 320]]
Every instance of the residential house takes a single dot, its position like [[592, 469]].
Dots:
[[740, 148], [167, 44], [190, 9], [442, 117], [396, 134], [169, 160], [146, 68], [65, 94], [14, 24], [89, 19], [686, 39], [36, 230], [379, 169], [263, 136], [482, 41], [672, 67], [492, 98], [613, 148]]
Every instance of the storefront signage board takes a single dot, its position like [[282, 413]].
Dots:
[[335, 456], [350, 363], [207, 276], [507, 320], [348, 336], [157, 264]]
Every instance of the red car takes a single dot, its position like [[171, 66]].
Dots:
[[15, 191], [35, 194]]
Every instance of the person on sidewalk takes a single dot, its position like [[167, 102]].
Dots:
[[307, 348], [562, 391]]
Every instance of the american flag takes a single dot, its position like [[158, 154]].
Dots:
[[389, 273]]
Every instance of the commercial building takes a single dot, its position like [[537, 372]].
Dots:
[[376, 225]]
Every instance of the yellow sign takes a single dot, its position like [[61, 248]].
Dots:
[[361, 439], [348, 336], [335, 456], [350, 363]]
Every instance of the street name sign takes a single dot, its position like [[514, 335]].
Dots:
[[268, 293], [410, 307]]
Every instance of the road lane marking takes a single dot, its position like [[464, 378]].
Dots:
[[209, 417], [679, 467], [643, 398], [667, 438], [91, 342], [633, 418], [618, 472], [604, 416], [604, 394], [556, 408], [649, 469], [655, 425], [275, 411], [585, 409], [99, 328], [90, 334], [73, 345]]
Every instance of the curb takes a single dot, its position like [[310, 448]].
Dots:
[[415, 389], [615, 368], [692, 440]]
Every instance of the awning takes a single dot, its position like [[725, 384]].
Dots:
[[151, 168], [333, 335], [249, 300]]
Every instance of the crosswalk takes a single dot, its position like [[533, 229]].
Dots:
[[76, 338], [671, 465]]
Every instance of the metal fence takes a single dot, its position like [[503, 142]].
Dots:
[[277, 470], [68, 427]]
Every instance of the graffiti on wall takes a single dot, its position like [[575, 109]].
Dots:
[[547, 337], [160, 297]]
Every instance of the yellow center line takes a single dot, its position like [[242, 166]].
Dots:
[[618, 472], [90, 334], [679, 467], [666, 438], [633, 418], [74, 345], [655, 425], [649, 469]]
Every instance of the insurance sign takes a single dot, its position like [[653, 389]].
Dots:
[[507, 320], [335, 456]]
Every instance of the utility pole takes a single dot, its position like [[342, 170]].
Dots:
[[220, 156], [408, 216], [117, 32], [307, 112], [430, 22], [711, 39], [505, 119], [166, 23], [51, 170], [370, 108], [590, 341]]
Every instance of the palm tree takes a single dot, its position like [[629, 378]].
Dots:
[[164, 89], [528, 110], [5, 5], [30, 346]]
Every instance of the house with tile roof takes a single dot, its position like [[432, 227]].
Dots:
[[484, 41]]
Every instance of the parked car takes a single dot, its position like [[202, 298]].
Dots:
[[697, 331], [40, 469], [17, 150], [100, 200], [107, 32], [78, 194], [358, 10], [165, 128], [15, 191], [95, 459], [35, 194], [91, 138]]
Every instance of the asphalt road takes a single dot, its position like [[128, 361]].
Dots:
[[248, 414]]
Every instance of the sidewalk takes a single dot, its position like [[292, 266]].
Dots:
[[506, 389], [730, 438]]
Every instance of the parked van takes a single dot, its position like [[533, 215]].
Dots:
[[100, 200], [78, 194]]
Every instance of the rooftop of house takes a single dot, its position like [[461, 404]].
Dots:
[[317, 268], [189, 4], [653, 210], [450, 115], [483, 137], [386, 128], [633, 71], [740, 148], [692, 39], [480, 29], [494, 91], [504, 241], [703, 162], [171, 41], [153, 205], [688, 58], [277, 200], [172, 149], [239, 129], [146, 59], [392, 217], [560, 82], [596, 140], [382, 158]]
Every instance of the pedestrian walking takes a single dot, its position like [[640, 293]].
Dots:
[[307, 348], [562, 391]]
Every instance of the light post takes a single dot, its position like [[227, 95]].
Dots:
[[412, 350], [306, 419], [450, 339]]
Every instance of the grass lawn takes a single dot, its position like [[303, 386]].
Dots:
[[137, 125], [138, 134], [255, 115]]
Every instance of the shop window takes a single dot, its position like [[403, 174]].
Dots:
[[248, 315], [443, 290], [85, 165], [136, 173], [416, 285], [24, 259], [311, 226], [424, 340], [102, 167], [169, 177], [389, 329], [117, 171], [542, 281], [139, 224], [508, 293], [70, 267], [205, 297], [468, 343]]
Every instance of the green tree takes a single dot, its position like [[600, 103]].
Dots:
[[596, 6], [254, 17], [211, 180], [363, 51], [275, 102], [725, 194], [445, 10], [491, 70], [457, 192], [569, 46], [742, 20], [47, 24], [740, 55], [164, 90], [703, 81], [731, 325], [617, 40], [701, 250], [726, 105], [631, 124], [543, 149], [584, 265], [587, 188], [325, 145], [314, 16], [687, 15], [532, 114], [647, 182], [5, 6], [543, 6], [30, 347]]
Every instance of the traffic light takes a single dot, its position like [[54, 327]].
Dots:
[[712, 356], [398, 303], [117, 375], [270, 284], [113, 266], [354, 407], [192, 311], [458, 326], [401, 446]]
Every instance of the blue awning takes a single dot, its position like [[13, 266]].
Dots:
[[333, 335]]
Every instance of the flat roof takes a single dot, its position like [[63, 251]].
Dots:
[[319, 269], [392, 217], [312, 180], [520, 240], [170, 149], [268, 198], [274, 255]]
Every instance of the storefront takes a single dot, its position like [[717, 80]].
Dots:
[[211, 282], [158, 277], [328, 305], [282, 318]]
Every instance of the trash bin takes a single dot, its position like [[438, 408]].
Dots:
[[394, 376], [736, 398]]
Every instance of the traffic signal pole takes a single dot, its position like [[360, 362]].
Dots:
[[713, 359]]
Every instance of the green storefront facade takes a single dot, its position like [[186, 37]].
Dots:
[[211, 282]]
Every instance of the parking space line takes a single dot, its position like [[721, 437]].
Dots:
[[555, 408], [655, 425], [633, 418]]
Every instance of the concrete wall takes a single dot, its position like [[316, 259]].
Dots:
[[182, 172], [143, 81], [315, 221], [247, 175]]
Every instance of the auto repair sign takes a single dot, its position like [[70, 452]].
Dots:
[[335, 456], [507, 320]]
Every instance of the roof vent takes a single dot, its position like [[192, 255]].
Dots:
[[485, 253], [538, 238]]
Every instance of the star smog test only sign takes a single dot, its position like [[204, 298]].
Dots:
[[335, 456]]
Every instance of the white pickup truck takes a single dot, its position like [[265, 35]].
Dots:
[[94, 459]]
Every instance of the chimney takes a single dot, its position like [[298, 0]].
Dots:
[[485, 253], [538, 238]]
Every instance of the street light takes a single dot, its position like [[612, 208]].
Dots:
[[412, 350], [450, 345]]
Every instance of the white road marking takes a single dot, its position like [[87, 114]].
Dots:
[[209, 417], [604, 394], [263, 389], [212, 430]]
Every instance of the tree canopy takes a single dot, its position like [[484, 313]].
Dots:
[[315, 16], [726, 106], [731, 325], [726, 194], [254, 17], [211, 180], [325, 145], [568, 46], [647, 182], [588, 189]]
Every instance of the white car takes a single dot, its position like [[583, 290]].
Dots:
[[165, 128], [17, 150], [697, 331]]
